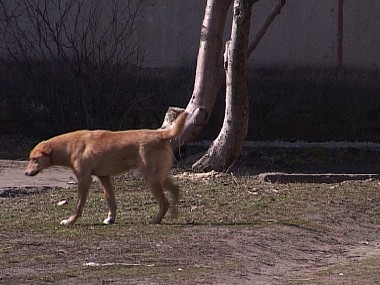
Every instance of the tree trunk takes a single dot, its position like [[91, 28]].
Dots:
[[227, 146], [210, 78], [209, 73]]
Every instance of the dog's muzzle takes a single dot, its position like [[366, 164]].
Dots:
[[31, 173]]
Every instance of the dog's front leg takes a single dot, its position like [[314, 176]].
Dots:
[[83, 189], [110, 198]]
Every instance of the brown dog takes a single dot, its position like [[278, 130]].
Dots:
[[105, 154]]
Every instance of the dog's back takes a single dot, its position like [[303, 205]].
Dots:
[[111, 153]]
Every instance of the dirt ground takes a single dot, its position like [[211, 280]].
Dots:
[[297, 233]]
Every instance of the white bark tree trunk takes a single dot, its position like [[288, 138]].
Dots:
[[227, 146], [209, 79], [209, 72]]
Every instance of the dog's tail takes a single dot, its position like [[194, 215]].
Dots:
[[176, 128]]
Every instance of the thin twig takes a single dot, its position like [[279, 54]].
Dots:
[[276, 10]]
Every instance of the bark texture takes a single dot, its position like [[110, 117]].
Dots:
[[209, 80], [227, 146], [209, 76]]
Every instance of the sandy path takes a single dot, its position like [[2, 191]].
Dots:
[[12, 175]]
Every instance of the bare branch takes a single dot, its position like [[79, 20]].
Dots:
[[275, 11], [80, 49]]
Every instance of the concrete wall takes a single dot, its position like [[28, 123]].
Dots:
[[304, 34], [362, 33], [169, 31]]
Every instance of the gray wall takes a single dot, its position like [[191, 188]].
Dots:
[[304, 34]]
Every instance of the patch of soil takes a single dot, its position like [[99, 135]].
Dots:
[[12, 175], [316, 238]]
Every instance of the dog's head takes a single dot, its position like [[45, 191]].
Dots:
[[39, 159]]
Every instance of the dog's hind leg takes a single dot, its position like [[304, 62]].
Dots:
[[156, 187], [83, 189], [174, 193], [110, 198]]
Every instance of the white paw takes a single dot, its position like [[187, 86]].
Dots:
[[64, 222], [108, 221]]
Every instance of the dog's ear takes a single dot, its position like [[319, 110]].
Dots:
[[45, 149]]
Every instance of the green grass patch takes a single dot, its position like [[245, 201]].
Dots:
[[220, 217]]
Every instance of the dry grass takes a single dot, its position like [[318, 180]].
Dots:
[[230, 229]]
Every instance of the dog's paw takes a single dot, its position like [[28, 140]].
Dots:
[[108, 221], [65, 222]]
